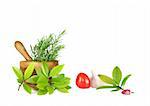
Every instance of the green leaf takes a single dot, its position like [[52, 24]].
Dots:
[[63, 90], [18, 73], [41, 86], [107, 79], [117, 75], [32, 79], [42, 92], [27, 88], [61, 84], [125, 80], [29, 71], [56, 70], [39, 71], [45, 69], [42, 79], [60, 79], [103, 87], [55, 80], [42, 82], [50, 89]]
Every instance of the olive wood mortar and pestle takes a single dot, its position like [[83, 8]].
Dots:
[[37, 64]]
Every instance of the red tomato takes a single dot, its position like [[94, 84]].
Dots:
[[83, 81]]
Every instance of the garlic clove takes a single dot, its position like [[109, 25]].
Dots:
[[95, 81]]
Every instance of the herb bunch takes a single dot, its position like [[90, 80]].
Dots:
[[47, 48], [115, 82], [46, 81]]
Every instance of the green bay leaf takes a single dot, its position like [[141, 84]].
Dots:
[[50, 89], [107, 79], [125, 80], [42, 79], [28, 72], [42, 92], [63, 90], [27, 88], [117, 75], [18, 73], [45, 69], [33, 79], [56, 70]]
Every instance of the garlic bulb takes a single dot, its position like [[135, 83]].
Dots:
[[95, 81]]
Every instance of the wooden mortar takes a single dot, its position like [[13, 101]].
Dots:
[[37, 64]]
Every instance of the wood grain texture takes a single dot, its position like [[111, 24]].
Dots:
[[20, 47]]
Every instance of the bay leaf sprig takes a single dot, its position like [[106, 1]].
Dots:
[[116, 82], [22, 79], [45, 81], [51, 80]]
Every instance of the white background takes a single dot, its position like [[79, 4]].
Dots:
[[100, 35]]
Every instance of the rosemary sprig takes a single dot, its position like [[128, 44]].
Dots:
[[47, 48]]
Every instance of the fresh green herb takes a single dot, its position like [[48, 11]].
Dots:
[[46, 81], [125, 79], [27, 88], [117, 75], [18, 73], [28, 72], [23, 78], [50, 81], [107, 79], [55, 71], [115, 81], [47, 48]]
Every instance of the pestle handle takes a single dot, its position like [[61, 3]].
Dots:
[[20, 47]]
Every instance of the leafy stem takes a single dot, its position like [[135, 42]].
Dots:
[[115, 81], [120, 87], [19, 86], [45, 81], [47, 48]]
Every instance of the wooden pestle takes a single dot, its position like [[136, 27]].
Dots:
[[20, 47]]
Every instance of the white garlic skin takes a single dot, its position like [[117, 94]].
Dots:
[[96, 81]]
